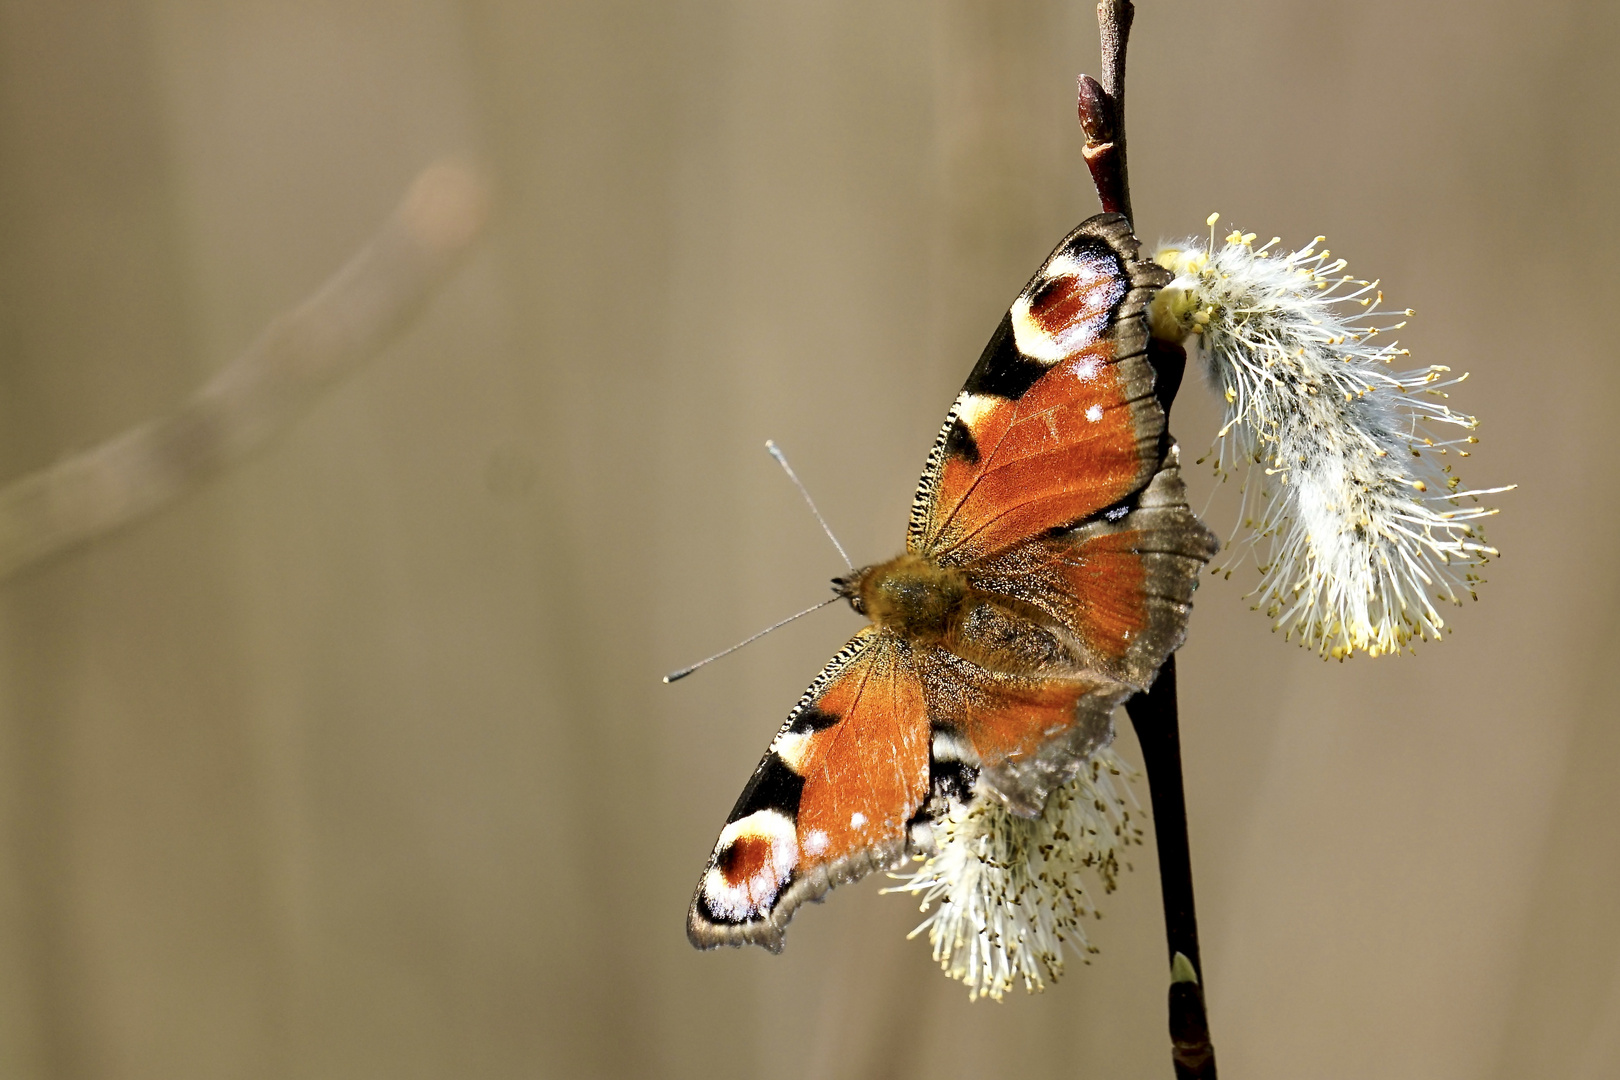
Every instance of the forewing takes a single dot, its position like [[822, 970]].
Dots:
[[1058, 420], [830, 802]]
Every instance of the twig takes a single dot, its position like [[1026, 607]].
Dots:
[[1102, 109], [349, 320], [1154, 713]]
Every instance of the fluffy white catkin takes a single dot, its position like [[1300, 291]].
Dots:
[[1364, 525], [1004, 894]]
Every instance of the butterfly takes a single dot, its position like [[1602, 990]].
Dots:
[[1048, 572]]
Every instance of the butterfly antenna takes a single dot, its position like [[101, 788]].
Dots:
[[781, 459], [685, 671]]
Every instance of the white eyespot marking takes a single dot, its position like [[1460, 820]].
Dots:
[[1085, 369], [1033, 341], [1067, 265], [753, 860], [857, 819], [971, 409], [815, 842], [1094, 413], [792, 747], [1068, 308], [947, 747]]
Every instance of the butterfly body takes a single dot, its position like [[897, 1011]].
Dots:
[[926, 605], [909, 596], [1048, 571]]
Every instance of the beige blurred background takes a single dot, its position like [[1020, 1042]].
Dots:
[[356, 762]]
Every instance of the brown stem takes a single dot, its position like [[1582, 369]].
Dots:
[[1102, 109], [349, 320], [1154, 715], [1104, 150]]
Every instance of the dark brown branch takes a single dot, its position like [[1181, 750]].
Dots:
[[1102, 109], [348, 321], [1114, 24], [1154, 715], [1104, 153]]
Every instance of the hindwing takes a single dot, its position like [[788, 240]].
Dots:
[[1111, 597], [1120, 583]]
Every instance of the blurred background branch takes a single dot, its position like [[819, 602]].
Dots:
[[349, 320]]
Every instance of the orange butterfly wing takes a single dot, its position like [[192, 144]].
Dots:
[[1120, 584], [1052, 485], [831, 801], [1018, 735], [1098, 608], [1058, 419]]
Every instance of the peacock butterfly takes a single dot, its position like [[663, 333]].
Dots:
[[1049, 568]]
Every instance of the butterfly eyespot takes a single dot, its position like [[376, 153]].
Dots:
[[743, 859]]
